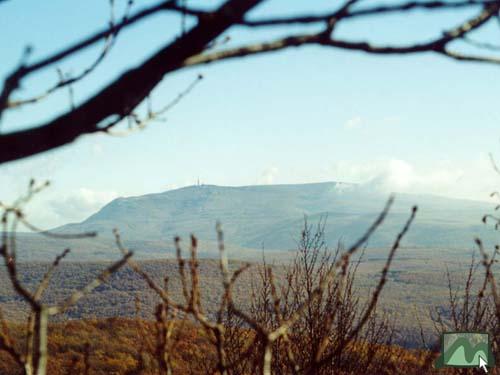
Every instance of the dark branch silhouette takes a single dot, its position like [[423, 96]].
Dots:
[[119, 98]]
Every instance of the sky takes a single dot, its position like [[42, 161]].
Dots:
[[415, 124]]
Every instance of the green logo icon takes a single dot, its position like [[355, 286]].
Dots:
[[465, 349]]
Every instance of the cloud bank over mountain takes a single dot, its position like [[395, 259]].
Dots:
[[474, 180]]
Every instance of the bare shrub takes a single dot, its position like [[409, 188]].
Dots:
[[339, 331], [33, 358], [316, 307]]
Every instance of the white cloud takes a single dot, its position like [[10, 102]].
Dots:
[[268, 176], [472, 180], [81, 203], [399, 175]]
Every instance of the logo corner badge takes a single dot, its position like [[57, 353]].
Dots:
[[465, 350]]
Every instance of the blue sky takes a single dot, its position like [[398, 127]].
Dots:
[[420, 124]]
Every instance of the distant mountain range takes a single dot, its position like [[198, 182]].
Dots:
[[271, 217]]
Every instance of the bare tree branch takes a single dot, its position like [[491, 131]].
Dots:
[[369, 11], [120, 97], [437, 45], [124, 94], [137, 122], [67, 81], [24, 70], [103, 277]]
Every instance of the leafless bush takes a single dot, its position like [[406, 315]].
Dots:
[[316, 308], [339, 331], [33, 359]]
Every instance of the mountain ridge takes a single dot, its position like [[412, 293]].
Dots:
[[269, 215]]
